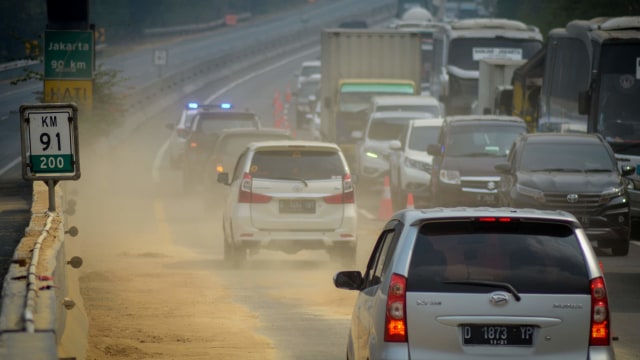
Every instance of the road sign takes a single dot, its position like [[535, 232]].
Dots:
[[68, 54], [69, 91], [160, 57], [49, 141]]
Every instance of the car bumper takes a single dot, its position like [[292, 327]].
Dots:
[[450, 195], [293, 240]]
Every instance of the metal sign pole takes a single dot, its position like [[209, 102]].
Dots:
[[51, 184]]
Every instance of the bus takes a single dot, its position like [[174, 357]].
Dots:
[[458, 48]]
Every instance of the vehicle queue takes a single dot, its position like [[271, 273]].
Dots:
[[293, 195]]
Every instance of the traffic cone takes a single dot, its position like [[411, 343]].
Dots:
[[385, 210], [410, 204]]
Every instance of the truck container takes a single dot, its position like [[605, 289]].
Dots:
[[358, 64]]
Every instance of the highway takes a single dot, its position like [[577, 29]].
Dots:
[[154, 283]]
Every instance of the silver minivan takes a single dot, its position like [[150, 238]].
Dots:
[[480, 283]]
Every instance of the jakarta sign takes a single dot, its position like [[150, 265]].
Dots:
[[68, 54]]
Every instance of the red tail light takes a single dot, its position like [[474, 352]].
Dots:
[[395, 322], [246, 196], [600, 334], [347, 196]]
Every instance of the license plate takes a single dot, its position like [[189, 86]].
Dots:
[[514, 335], [486, 198], [297, 206]]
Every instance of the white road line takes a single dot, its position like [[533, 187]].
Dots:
[[366, 214], [155, 171], [636, 243], [11, 164]]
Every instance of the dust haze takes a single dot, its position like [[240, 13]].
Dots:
[[154, 282]]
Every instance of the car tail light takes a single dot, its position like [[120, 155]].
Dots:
[[599, 335], [245, 194], [395, 322], [346, 197]]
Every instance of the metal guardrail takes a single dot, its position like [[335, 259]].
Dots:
[[172, 30]]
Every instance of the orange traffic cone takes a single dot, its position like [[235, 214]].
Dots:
[[410, 204], [386, 209], [287, 94]]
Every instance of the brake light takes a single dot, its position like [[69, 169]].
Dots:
[[492, 219], [246, 196], [395, 322], [599, 335], [347, 196]]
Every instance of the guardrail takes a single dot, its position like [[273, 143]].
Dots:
[[172, 30], [53, 324]]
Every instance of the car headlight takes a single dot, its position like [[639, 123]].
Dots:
[[416, 164], [371, 154], [530, 192], [612, 192], [450, 177]]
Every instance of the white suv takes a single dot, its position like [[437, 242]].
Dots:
[[410, 164], [290, 196], [480, 283]]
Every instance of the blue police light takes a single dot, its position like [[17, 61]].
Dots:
[[192, 105], [225, 106]]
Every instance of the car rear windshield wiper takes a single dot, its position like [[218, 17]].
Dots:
[[599, 170], [559, 170], [288, 178], [498, 284]]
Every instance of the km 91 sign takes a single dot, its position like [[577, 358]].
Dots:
[[49, 141]]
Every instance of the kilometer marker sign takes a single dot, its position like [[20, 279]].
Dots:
[[49, 141]]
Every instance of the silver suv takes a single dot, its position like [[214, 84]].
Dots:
[[480, 283]]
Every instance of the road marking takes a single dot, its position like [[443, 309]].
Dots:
[[634, 242], [11, 164]]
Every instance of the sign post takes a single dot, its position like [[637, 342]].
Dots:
[[160, 59], [49, 134]]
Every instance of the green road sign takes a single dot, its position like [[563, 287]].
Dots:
[[68, 54], [52, 163]]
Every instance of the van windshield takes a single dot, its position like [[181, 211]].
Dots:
[[466, 53]]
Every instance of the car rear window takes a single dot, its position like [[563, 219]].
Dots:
[[533, 257], [215, 122], [298, 164]]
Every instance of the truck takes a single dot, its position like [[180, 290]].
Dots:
[[356, 65], [590, 82]]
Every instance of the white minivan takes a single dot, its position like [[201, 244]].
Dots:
[[290, 195]]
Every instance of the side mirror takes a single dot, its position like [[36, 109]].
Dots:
[[223, 178], [584, 102], [434, 149], [627, 170], [395, 145], [349, 280], [503, 168]]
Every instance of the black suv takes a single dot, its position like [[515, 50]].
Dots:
[[468, 148], [577, 173]]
